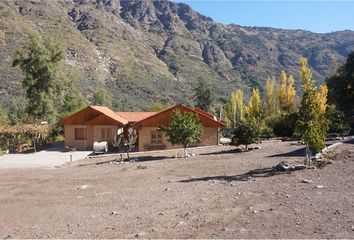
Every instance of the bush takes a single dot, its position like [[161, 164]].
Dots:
[[266, 132], [245, 133], [338, 123], [285, 125]]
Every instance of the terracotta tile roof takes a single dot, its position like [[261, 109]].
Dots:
[[135, 116], [109, 113], [199, 112], [205, 113]]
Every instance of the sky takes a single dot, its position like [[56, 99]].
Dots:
[[315, 15]]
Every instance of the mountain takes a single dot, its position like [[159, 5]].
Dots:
[[147, 51]]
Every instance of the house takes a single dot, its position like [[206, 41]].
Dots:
[[96, 123]]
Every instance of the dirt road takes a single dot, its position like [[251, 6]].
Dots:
[[209, 195]]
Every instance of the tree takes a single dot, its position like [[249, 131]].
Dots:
[[341, 87], [281, 91], [39, 62], [338, 123], [234, 108], [253, 109], [127, 140], [322, 98], [311, 127], [72, 99], [271, 107], [289, 105], [102, 97], [286, 93], [16, 111], [184, 128], [245, 133], [203, 96]]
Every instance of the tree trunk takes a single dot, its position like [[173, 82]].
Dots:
[[246, 147], [308, 155], [34, 145], [127, 150]]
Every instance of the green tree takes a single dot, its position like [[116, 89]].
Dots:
[[338, 123], [184, 128], [39, 62], [253, 109], [102, 97], [16, 111], [311, 127], [245, 133], [341, 87], [204, 96], [234, 108], [71, 100]]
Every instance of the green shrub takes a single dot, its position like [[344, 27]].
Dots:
[[285, 125], [245, 133], [338, 124]]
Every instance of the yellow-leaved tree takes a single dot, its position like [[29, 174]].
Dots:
[[322, 98], [253, 109], [286, 93], [290, 95], [234, 108], [271, 106]]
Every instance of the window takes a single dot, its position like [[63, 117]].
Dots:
[[156, 137], [106, 134], [80, 133]]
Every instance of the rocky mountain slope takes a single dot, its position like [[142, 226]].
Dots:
[[147, 51]]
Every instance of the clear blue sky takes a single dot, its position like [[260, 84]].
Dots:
[[316, 16]]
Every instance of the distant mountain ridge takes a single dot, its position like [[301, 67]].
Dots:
[[148, 51]]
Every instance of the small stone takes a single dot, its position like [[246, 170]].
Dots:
[[167, 189], [287, 196], [319, 186], [113, 213], [306, 181], [161, 214], [298, 223]]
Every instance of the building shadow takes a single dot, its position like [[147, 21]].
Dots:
[[256, 173]]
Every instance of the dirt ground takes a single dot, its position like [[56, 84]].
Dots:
[[209, 195]]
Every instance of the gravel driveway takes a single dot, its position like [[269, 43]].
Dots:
[[49, 158]]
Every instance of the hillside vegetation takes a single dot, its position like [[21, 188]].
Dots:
[[156, 51]]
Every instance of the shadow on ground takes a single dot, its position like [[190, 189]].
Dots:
[[256, 173], [296, 153], [231, 151], [132, 159]]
